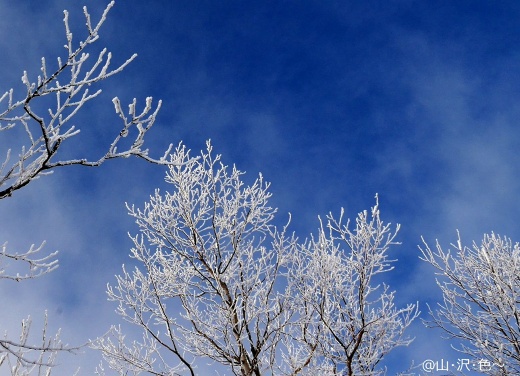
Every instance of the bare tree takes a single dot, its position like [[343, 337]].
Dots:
[[212, 262], [65, 89], [347, 318], [481, 301], [216, 280]]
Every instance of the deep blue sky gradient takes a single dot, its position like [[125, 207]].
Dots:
[[333, 101]]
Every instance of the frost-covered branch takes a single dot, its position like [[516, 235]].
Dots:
[[347, 319], [23, 359], [215, 280], [207, 283], [481, 299], [37, 266], [35, 124], [45, 132], [20, 356]]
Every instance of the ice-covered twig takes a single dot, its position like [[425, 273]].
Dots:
[[37, 266], [49, 130], [22, 358]]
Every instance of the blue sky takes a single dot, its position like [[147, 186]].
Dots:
[[333, 101]]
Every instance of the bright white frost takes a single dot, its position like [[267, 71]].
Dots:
[[345, 316], [216, 280], [481, 299], [46, 131], [207, 286], [35, 138]]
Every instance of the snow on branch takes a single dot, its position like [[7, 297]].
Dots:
[[37, 266], [480, 309], [22, 358], [346, 318], [215, 280], [35, 125], [46, 132]]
